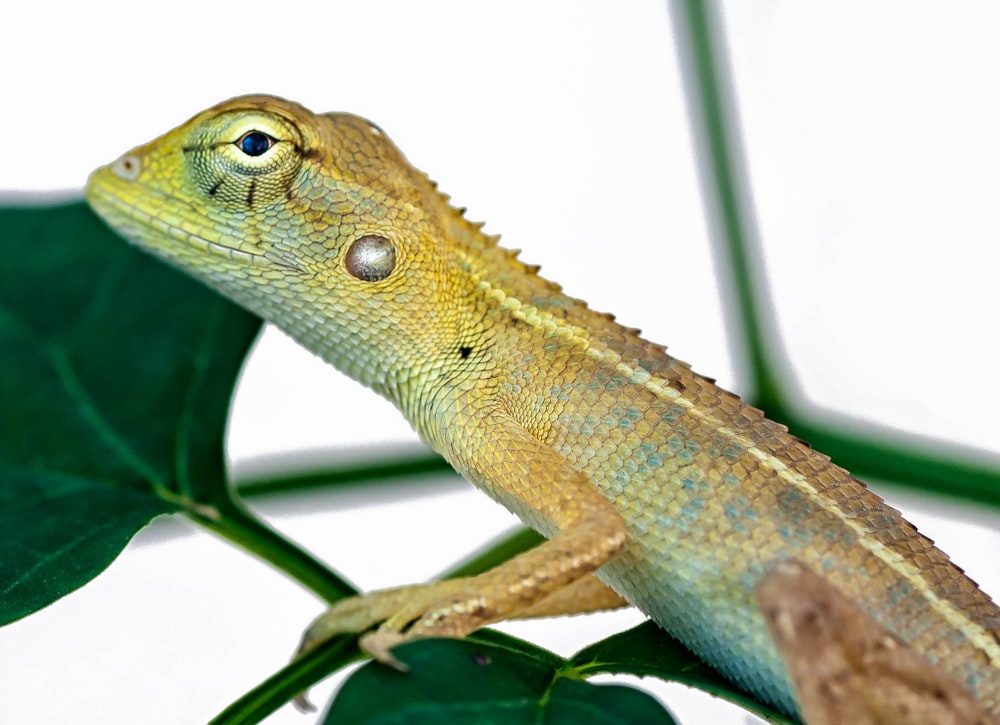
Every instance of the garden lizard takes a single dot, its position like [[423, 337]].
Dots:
[[654, 486]]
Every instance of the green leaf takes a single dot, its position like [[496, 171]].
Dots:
[[115, 377], [647, 650], [487, 679]]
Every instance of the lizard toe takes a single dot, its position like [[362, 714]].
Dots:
[[379, 645]]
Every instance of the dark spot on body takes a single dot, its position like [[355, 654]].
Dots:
[[464, 352]]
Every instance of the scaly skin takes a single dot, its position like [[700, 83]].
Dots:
[[674, 492]]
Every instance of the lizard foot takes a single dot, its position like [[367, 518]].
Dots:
[[378, 645], [395, 607]]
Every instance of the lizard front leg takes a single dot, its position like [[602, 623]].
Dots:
[[404, 604], [521, 470]]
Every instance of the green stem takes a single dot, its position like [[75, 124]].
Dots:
[[495, 553], [726, 192], [287, 683], [404, 467], [750, 310], [230, 520], [914, 461]]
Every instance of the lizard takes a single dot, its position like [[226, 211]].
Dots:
[[653, 486]]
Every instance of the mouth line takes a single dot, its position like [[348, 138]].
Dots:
[[241, 251]]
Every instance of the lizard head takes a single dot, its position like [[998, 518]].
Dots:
[[315, 222]]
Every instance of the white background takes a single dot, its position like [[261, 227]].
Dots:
[[871, 132]]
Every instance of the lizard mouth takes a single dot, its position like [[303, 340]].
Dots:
[[141, 217]]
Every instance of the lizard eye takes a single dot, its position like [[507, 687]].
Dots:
[[254, 143], [244, 159], [371, 258]]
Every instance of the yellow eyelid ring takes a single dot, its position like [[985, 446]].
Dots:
[[229, 128], [244, 176]]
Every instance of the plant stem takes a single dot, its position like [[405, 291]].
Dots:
[[232, 521], [402, 467], [714, 123]]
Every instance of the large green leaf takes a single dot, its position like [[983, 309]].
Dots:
[[115, 376], [492, 679]]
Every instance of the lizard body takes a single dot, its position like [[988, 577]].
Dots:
[[678, 495]]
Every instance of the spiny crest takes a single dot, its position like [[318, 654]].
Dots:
[[456, 215], [524, 281]]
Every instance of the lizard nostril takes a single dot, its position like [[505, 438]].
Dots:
[[127, 167]]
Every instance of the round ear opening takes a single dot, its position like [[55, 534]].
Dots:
[[371, 258]]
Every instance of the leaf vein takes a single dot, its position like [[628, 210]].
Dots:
[[101, 427]]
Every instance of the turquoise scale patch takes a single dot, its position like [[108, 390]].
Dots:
[[692, 509]]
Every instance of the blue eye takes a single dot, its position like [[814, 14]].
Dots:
[[255, 143]]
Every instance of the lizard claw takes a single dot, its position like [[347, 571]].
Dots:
[[301, 701], [379, 644], [302, 704]]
